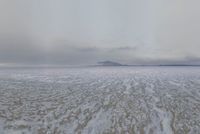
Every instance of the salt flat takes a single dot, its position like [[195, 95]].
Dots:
[[100, 100]]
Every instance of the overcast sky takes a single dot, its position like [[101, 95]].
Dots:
[[87, 31]]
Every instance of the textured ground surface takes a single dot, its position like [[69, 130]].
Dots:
[[112, 100]]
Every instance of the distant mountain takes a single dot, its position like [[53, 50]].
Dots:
[[110, 63]]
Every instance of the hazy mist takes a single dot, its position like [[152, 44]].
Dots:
[[76, 32]]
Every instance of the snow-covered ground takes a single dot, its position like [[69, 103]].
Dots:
[[106, 100]]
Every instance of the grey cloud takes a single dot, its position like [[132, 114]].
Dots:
[[85, 32], [125, 48], [25, 50], [88, 49], [175, 61], [19, 49]]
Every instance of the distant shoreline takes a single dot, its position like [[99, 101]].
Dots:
[[85, 66]]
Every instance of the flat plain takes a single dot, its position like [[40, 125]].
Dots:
[[100, 100]]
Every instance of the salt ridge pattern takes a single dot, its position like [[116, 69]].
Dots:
[[100, 100]]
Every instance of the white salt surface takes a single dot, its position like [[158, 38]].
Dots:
[[106, 100]]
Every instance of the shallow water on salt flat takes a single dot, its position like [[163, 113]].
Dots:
[[100, 100]]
